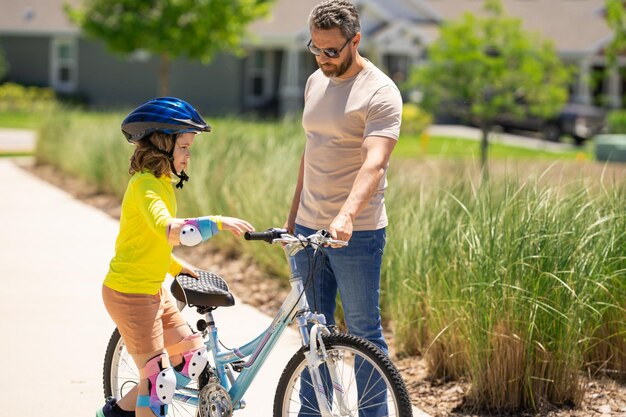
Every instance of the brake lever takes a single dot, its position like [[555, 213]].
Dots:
[[324, 238], [336, 243]]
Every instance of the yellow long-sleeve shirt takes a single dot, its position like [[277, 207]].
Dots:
[[143, 255]]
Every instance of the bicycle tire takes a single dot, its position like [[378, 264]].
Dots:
[[112, 348], [120, 375], [347, 348]]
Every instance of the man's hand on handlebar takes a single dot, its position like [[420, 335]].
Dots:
[[341, 228]]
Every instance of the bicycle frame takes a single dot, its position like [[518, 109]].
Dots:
[[294, 306]]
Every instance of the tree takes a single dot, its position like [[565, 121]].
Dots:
[[482, 67], [196, 29], [616, 20]]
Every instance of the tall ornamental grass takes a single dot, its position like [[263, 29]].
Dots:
[[517, 284], [248, 170], [86, 146], [244, 169]]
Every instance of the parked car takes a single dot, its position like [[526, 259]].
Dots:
[[580, 121]]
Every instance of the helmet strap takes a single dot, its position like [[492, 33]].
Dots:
[[182, 176], [170, 157]]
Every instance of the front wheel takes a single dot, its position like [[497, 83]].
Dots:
[[367, 384]]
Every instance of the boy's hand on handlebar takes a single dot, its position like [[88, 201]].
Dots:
[[236, 226]]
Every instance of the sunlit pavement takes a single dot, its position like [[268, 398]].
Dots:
[[17, 141], [472, 133]]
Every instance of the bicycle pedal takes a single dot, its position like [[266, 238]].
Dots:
[[238, 366]]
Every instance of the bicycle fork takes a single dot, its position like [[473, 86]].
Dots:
[[316, 356]]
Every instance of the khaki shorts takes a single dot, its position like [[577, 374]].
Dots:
[[141, 318]]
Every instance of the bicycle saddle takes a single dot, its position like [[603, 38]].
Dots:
[[209, 290]]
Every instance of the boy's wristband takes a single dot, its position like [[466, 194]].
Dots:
[[218, 220]]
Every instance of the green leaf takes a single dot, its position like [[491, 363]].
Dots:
[[194, 29], [484, 66]]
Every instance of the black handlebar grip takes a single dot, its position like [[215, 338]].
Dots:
[[268, 236]]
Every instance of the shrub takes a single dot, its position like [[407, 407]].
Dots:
[[19, 98], [414, 119], [616, 121]]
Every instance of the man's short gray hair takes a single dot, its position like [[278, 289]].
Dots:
[[340, 14]]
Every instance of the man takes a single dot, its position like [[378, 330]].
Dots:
[[351, 118]]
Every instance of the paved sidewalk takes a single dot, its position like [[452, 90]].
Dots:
[[17, 140], [54, 253], [472, 133]]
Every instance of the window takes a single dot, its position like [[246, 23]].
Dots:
[[308, 65], [140, 56], [64, 65], [259, 84], [397, 67]]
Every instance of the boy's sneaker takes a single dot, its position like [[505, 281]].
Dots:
[[109, 411]]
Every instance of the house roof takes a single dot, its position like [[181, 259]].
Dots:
[[289, 16], [412, 10], [575, 26], [35, 17]]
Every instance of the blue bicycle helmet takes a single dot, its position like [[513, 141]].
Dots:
[[169, 115]]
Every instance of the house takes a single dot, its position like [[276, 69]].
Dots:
[[43, 48]]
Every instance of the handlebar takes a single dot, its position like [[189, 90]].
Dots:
[[268, 236], [294, 244]]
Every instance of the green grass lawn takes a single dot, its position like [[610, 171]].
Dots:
[[14, 154], [407, 147], [451, 147], [21, 120]]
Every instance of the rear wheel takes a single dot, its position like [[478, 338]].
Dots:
[[379, 391], [120, 375], [552, 132]]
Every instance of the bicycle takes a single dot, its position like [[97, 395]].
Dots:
[[328, 364]]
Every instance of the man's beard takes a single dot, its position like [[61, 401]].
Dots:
[[337, 71]]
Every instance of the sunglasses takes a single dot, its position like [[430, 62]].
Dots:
[[329, 52]]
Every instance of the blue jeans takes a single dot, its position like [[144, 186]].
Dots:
[[354, 272]]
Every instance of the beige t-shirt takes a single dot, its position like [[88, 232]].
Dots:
[[338, 115]]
